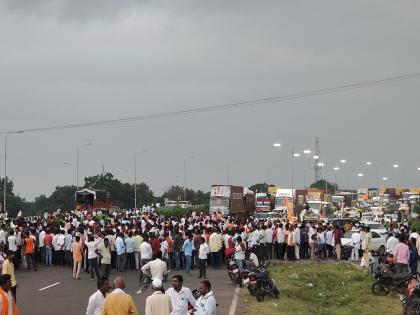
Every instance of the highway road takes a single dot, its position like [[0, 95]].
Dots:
[[52, 290]]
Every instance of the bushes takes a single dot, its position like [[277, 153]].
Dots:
[[414, 224], [177, 212]]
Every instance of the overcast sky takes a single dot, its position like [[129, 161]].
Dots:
[[76, 61]]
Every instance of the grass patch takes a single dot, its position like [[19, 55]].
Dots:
[[337, 289]]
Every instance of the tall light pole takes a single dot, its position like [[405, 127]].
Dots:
[[185, 176], [307, 154], [5, 173], [135, 176], [77, 163], [278, 145], [5, 169]]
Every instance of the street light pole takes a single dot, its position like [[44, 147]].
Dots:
[[135, 181], [135, 177], [77, 168], [5, 173]]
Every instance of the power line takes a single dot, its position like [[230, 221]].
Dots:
[[248, 103]]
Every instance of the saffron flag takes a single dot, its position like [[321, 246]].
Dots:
[[289, 207]]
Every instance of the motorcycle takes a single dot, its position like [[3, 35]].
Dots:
[[144, 279], [411, 302], [261, 284], [233, 271], [389, 281]]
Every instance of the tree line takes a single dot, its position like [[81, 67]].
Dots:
[[122, 195]]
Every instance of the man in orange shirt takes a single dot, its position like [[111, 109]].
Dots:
[[29, 251], [8, 305], [76, 248]]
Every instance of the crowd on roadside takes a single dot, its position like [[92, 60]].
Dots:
[[147, 241]]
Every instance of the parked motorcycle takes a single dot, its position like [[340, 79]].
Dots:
[[260, 284], [411, 302], [233, 271], [391, 282]]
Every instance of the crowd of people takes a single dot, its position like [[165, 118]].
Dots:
[[153, 245]]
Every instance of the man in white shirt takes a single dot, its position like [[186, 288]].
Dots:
[[206, 303], [3, 235], [355, 242], [97, 299], [180, 296], [269, 242], [202, 257], [92, 246], [156, 269], [391, 244], [146, 253], [296, 241], [42, 244], [253, 259]]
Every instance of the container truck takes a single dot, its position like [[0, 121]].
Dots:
[[231, 200]]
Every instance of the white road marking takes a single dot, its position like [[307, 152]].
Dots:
[[47, 287], [234, 301], [139, 291]]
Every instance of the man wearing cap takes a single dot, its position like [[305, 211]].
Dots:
[[158, 303], [355, 241]]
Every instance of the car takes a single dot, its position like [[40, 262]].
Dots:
[[390, 217], [341, 222], [374, 227], [377, 245]]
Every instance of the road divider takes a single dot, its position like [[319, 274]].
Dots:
[[234, 301], [50, 286]]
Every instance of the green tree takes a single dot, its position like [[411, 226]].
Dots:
[[14, 203], [322, 183], [260, 187], [122, 194]]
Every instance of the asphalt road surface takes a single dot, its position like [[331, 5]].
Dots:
[[52, 290]]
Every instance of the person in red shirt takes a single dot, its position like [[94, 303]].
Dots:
[[48, 248], [155, 245]]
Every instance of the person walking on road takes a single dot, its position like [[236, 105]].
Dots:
[[9, 269], [158, 303], [76, 248], [97, 299], [118, 302], [180, 296], [7, 301], [206, 303]]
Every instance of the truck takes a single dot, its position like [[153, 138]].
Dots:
[[264, 205], [280, 202], [344, 198], [231, 200]]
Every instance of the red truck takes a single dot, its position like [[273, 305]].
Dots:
[[231, 200]]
